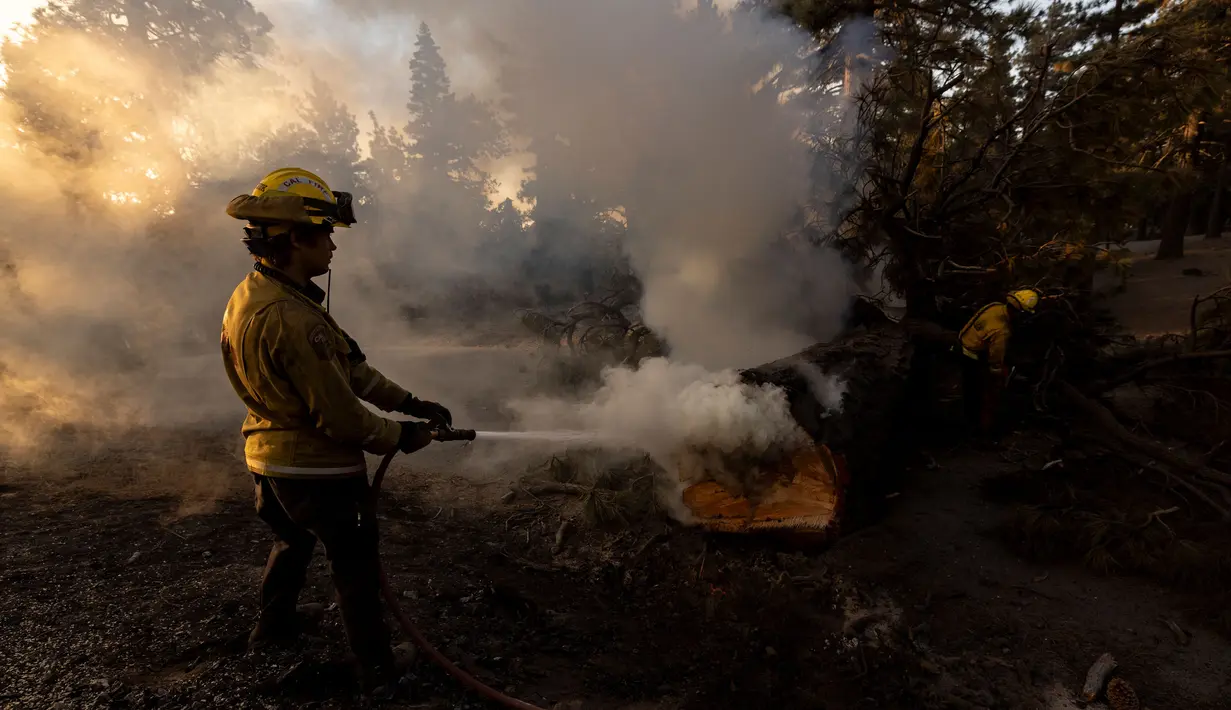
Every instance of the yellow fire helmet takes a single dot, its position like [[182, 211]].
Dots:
[[294, 195], [1026, 299]]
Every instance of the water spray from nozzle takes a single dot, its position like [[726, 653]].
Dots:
[[560, 436]]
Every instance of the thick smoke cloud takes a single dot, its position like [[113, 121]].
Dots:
[[120, 264], [118, 257], [100, 308], [659, 117]]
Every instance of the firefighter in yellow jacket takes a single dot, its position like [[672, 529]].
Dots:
[[304, 381], [984, 341]]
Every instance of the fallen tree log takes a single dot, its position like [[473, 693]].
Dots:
[[1107, 424], [849, 396], [1147, 464]]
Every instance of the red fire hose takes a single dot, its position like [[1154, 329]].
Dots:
[[404, 621]]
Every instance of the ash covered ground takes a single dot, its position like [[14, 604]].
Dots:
[[132, 601]]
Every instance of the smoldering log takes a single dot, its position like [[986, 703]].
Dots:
[[870, 365]]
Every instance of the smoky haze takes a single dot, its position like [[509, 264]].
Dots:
[[656, 134], [657, 115]]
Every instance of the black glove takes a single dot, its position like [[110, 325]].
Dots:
[[422, 409], [415, 436]]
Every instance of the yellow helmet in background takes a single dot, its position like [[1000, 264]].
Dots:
[[294, 195], [1026, 299]]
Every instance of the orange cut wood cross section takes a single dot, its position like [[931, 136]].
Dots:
[[805, 497]]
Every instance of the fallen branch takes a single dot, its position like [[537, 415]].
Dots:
[[1218, 295], [1156, 451], [1145, 464], [1214, 452], [1096, 677], [533, 565], [1181, 636], [1107, 422], [642, 547], [1157, 515], [536, 566], [560, 533], [1147, 366], [546, 488]]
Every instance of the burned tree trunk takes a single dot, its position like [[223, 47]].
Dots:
[[850, 395], [868, 369], [1215, 217]]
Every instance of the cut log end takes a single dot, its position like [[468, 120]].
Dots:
[[811, 491], [806, 497]]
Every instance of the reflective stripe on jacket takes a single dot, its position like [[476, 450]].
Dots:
[[304, 381], [987, 332]]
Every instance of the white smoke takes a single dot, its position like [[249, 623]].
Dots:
[[664, 407], [696, 424], [827, 389], [681, 123]]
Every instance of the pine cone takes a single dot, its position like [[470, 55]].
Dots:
[[1121, 696]]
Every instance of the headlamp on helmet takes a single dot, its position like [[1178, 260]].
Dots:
[[340, 212]]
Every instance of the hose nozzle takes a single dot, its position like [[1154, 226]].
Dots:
[[449, 434]]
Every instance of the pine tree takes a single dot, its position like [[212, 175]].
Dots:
[[192, 35], [388, 159], [565, 225], [326, 142], [336, 131], [430, 97], [507, 241], [429, 196], [994, 129], [450, 135]]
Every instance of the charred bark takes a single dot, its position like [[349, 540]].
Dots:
[[872, 368]]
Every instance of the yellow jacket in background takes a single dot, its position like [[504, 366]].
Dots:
[[302, 379], [987, 332]]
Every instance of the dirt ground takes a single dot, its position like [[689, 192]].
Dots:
[[1160, 292], [141, 602]]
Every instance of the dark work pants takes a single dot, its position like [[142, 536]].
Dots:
[[981, 392], [341, 514], [974, 390]]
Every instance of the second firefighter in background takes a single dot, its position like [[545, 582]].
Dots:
[[984, 343]]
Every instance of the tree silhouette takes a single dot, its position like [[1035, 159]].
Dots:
[[94, 84], [987, 131], [326, 142], [192, 35], [428, 190]]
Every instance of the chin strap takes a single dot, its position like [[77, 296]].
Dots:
[[328, 287]]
